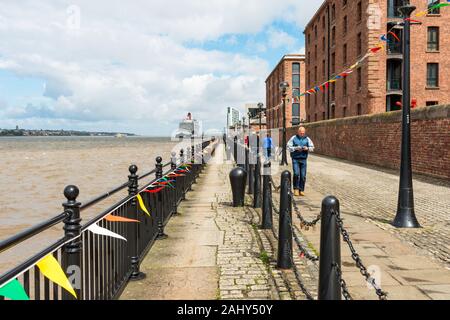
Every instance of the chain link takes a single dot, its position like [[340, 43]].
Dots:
[[277, 188], [304, 224], [345, 292], [355, 256]]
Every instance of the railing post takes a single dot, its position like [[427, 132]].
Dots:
[[183, 190], [267, 198], [72, 252], [257, 201], [285, 252], [174, 199], [134, 241], [251, 170], [158, 174], [330, 251]]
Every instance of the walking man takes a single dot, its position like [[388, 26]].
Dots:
[[300, 146]]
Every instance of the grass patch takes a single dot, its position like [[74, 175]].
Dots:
[[264, 258]]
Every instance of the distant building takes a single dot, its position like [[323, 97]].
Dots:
[[233, 118], [342, 31], [291, 69]]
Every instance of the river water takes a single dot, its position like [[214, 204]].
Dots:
[[35, 170]]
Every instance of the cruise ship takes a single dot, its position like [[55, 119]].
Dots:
[[187, 126]]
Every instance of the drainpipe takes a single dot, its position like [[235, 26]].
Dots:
[[328, 61]]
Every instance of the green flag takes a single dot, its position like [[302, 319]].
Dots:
[[14, 291]]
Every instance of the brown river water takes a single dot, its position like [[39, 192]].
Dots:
[[35, 170]]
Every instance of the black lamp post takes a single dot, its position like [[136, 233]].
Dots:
[[406, 217], [260, 107], [283, 87]]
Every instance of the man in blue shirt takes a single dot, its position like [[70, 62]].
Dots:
[[267, 146], [300, 146]]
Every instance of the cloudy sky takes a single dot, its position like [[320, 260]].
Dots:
[[140, 65]]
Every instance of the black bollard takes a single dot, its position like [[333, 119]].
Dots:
[[72, 253], [133, 187], [159, 171], [267, 198], [284, 260], [257, 198], [330, 251], [238, 178]]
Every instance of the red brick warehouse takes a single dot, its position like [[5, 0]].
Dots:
[[342, 31], [291, 69]]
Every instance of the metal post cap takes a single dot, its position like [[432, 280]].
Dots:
[[158, 159], [133, 169], [71, 192]]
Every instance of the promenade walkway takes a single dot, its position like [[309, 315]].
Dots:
[[215, 251]]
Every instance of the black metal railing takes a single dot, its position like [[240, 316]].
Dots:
[[99, 267]]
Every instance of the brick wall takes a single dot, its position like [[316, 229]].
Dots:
[[375, 139]]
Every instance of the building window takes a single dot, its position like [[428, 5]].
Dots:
[[433, 38], [333, 111], [344, 112], [323, 96], [323, 22], [432, 75], [315, 100], [309, 118], [432, 103], [295, 114], [315, 117], [296, 92], [432, 3], [309, 38], [323, 68], [315, 32], [323, 44], [359, 12], [344, 54], [315, 74], [333, 36], [333, 62], [296, 68], [345, 24], [359, 44], [295, 81], [359, 109], [315, 52], [333, 91], [309, 78], [333, 12], [393, 6], [359, 83]]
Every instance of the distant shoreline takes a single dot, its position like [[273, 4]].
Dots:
[[60, 133]]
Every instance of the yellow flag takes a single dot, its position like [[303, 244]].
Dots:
[[51, 269], [142, 205]]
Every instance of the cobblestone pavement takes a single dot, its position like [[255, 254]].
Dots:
[[414, 263], [371, 193]]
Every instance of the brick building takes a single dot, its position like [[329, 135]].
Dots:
[[291, 69], [342, 31]]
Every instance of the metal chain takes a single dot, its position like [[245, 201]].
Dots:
[[302, 249], [277, 188], [304, 224], [345, 292], [382, 295]]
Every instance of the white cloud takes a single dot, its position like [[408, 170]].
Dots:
[[279, 38], [127, 64]]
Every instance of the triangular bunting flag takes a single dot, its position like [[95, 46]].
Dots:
[[13, 290], [96, 229], [51, 269]]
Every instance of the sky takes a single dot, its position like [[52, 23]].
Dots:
[[139, 66]]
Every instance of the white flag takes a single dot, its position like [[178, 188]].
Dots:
[[104, 232]]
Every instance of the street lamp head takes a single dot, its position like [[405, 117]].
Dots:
[[406, 9], [284, 86], [260, 105]]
